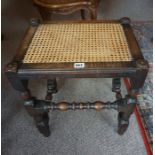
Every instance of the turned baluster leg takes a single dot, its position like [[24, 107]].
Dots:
[[51, 88], [40, 115], [125, 111], [125, 108], [116, 87]]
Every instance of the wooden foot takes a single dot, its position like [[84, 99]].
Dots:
[[42, 123], [116, 87], [39, 111], [126, 108], [122, 123]]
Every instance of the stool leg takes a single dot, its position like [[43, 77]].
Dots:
[[40, 115], [125, 106], [124, 116], [51, 88], [17, 83], [116, 87], [137, 80], [37, 110]]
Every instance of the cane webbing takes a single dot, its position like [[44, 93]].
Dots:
[[78, 42]]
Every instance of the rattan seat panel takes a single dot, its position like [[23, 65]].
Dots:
[[78, 42]]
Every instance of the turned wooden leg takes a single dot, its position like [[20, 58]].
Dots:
[[123, 123], [33, 107], [51, 88], [137, 81], [126, 109], [42, 123], [125, 106], [123, 118], [39, 111], [116, 87]]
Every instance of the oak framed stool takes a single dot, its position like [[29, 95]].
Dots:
[[78, 49]]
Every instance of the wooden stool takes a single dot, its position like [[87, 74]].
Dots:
[[47, 7], [92, 49]]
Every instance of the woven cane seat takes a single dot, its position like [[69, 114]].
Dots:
[[78, 42]]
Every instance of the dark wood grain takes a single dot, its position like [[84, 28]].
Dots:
[[132, 42]]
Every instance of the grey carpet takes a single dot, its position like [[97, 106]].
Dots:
[[73, 133]]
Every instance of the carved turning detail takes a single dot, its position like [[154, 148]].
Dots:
[[51, 88], [63, 106], [40, 108], [98, 105], [116, 87]]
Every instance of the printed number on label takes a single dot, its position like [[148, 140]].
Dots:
[[79, 65]]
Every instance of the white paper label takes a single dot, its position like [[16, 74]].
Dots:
[[79, 65]]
